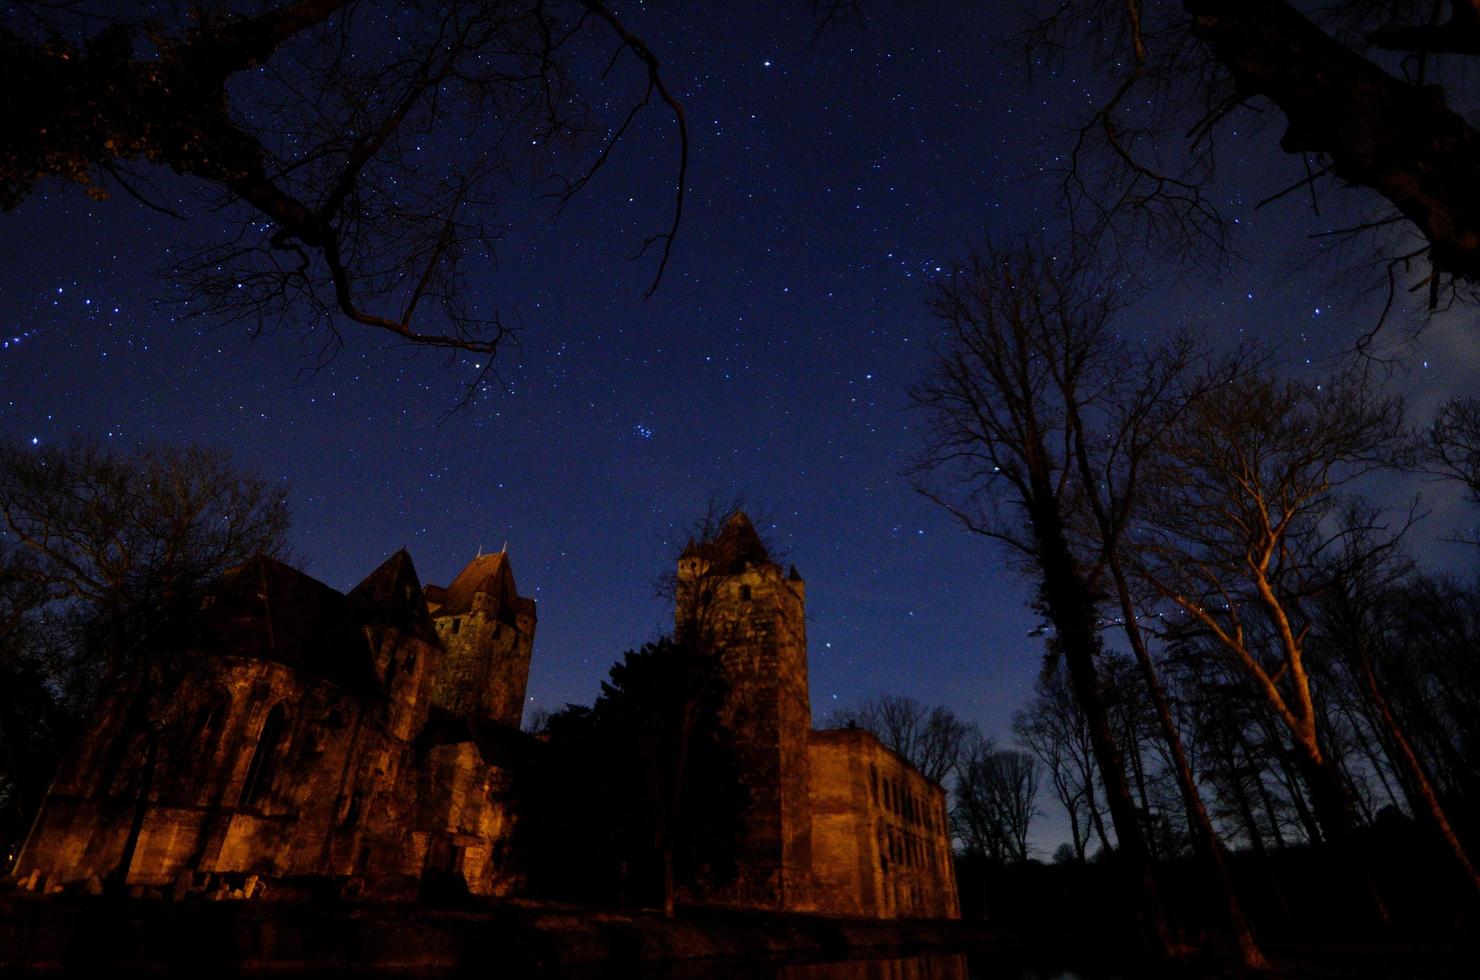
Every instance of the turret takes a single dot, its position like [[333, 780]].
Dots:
[[735, 603], [487, 629]]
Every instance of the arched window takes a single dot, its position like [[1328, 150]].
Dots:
[[264, 760], [200, 735]]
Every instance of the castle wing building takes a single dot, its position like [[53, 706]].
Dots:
[[291, 737]]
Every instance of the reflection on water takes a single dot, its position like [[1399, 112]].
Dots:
[[950, 966], [945, 966], [938, 966]]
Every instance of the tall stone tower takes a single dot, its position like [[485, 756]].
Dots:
[[487, 629], [734, 601]]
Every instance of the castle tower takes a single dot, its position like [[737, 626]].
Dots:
[[487, 629], [735, 601]]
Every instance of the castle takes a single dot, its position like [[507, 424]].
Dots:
[[289, 738]]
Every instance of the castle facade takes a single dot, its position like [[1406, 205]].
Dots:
[[837, 823], [291, 738]]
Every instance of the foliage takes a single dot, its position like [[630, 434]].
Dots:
[[596, 807]]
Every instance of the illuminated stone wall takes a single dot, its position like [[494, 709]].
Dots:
[[880, 837], [300, 746]]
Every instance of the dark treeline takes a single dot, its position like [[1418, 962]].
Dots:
[[613, 790], [1254, 706]]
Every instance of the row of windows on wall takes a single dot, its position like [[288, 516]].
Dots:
[[900, 801], [905, 850]]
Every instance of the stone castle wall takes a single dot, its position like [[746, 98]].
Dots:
[[300, 737], [836, 823], [879, 832], [753, 621]]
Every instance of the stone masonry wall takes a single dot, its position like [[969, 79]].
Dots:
[[756, 624], [880, 837]]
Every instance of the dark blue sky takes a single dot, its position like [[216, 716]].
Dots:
[[829, 184]]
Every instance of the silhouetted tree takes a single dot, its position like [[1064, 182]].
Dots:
[[1026, 354], [1052, 726], [102, 553], [995, 801], [1373, 95], [1453, 449], [931, 740], [1362, 576], [359, 146], [606, 812]]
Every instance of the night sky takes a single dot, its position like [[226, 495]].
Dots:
[[829, 184]]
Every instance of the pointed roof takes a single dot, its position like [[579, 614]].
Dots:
[[736, 545], [264, 609], [486, 573], [392, 596]]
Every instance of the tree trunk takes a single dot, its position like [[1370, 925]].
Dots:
[[1415, 772], [1096, 821], [1399, 139], [1070, 608], [668, 881], [1332, 802], [1203, 832], [118, 878], [1292, 780]]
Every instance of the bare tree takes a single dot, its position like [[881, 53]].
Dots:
[[1362, 574], [1053, 728], [358, 145], [995, 801], [1249, 477], [1374, 95], [1026, 355], [932, 740], [124, 541], [1453, 447]]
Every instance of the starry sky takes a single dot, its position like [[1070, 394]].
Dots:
[[830, 183]]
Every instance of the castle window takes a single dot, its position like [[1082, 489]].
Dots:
[[745, 593], [456, 624], [873, 777], [263, 768], [205, 733]]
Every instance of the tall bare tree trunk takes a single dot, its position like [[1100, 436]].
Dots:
[[1069, 605], [1415, 771], [1197, 814]]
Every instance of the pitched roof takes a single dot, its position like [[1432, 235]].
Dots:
[[736, 545], [486, 573], [268, 610], [392, 596]]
